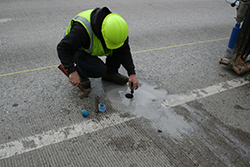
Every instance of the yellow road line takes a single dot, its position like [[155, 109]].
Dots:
[[175, 46], [149, 50], [18, 72]]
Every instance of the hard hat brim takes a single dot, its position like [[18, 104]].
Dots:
[[111, 45]]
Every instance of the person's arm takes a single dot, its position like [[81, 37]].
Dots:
[[125, 56], [72, 42], [133, 79], [127, 62]]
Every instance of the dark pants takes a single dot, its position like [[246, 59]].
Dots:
[[94, 67]]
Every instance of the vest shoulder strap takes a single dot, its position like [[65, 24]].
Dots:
[[87, 24]]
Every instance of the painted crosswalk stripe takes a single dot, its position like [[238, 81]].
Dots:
[[175, 100], [55, 136], [5, 20]]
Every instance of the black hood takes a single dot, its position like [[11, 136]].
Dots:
[[97, 17]]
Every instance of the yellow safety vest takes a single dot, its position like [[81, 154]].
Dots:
[[95, 48]]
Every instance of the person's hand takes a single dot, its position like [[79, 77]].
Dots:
[[133, 79], [74, 78]]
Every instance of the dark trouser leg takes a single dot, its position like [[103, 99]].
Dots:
[[113, 64], [89, 66]]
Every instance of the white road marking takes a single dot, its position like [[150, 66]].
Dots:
[[55, 136], [175, 100], [5, 20]]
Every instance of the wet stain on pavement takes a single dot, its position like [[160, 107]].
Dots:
[[128, 144], [124, 143], [184, 112], [28, 144], [147, 102], [15, 105], [186, 133], [240, 108]]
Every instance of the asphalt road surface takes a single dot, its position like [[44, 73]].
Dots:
[[188, 111]]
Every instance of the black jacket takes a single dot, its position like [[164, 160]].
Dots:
[[78, 37]]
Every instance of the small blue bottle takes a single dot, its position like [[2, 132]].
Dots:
[[234, 36]]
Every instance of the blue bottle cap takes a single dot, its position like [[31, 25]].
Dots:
[[85, 113], [101, 107]]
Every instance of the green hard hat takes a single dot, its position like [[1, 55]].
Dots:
[[114, 30]]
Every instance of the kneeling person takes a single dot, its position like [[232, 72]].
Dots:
[[93, 33]]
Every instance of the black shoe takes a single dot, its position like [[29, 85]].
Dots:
[[116, 78], [85, 83]]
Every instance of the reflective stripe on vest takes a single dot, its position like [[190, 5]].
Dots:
[[95, 47], [88, 25]]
